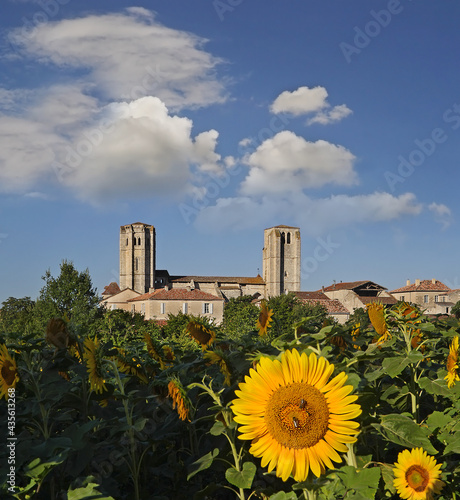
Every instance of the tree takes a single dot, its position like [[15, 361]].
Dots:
[[240, 316], [17, 316], [120, 327], [456, 310], [71, 294], [289, 310]]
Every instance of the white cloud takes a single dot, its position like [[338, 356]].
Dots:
[[143, 151], [442, 214], [333, 115], [289, 163], [122, 150], [315, 216], [307, 100], [128, 56]]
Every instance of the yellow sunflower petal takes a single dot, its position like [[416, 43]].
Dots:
[[296, 421]]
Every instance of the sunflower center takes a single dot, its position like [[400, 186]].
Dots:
[[297, 415], [8, 372], [417, 477]]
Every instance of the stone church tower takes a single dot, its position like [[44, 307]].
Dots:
[[137, 257], [281, 260]]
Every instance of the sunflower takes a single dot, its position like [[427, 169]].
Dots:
[[168, 353], [296, 419], [177, 393], [204, 336], [130, 366], [57, 334], [416, 475], [265, 318], [217, 358], [9, 376], [377, 318], [93, 358], [452, 364]]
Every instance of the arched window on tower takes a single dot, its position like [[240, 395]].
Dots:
[[288, 240], [127, 241], [138, 241], [137, 263]]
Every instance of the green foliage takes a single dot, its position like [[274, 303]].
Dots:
[[121, 327], [456, 310], [129, 442], [240, 317], [71, 294], [17, 316], [176, 329], [289, 310]]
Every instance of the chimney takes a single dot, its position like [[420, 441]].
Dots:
[[433, 281], [417, 282], [407, 282], [322, 288]]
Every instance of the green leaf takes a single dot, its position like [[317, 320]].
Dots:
[[438, 420], [402, 430], [202, 463], [394, 366], [140, 424], [361, 483], [217, 429], [282, 495], [89, 491], [454, 444], [241, 478], [437, 387]]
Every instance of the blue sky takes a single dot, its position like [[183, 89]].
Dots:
[[213, 120]]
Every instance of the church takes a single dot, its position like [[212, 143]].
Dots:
[[156, 293]]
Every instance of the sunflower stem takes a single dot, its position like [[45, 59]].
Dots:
[[134, 465]]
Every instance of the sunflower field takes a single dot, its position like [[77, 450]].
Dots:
[[365, 410]]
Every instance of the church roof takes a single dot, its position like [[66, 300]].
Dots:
[[181, 294], [241, 280], [352, 285], [111, 289]]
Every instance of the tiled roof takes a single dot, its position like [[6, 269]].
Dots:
[[333, 306], [177, 294], [380, 299], [425, 285], [111, 289], [351, 285], [258, 280]]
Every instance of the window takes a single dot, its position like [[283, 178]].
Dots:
[[436, 298], [133, 308], [137, 263], [443, 298], [138, 241], [113, 307], [402, 299], [288, 241], [207, 308], [185, 307], [127, 242], [143, 308], [162, 308], [425, 298]]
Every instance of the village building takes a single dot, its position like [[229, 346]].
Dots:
[[432, 296], [155, 293]]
